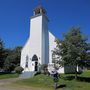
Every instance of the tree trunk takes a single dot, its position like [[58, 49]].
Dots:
[[76, 73]]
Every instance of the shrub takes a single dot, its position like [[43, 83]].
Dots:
[[44, 69], [19, 69], [37, 73]]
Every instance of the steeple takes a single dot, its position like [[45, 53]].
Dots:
[[39, 10]]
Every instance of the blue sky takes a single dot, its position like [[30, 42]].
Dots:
[[63, 14]]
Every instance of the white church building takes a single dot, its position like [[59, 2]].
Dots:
[[41, 42]]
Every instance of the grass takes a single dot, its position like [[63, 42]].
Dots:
[[10, 75], [85, 73], [39, 81], [46, 82]]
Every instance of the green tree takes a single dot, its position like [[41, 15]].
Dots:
[[88, 52], [13, 59], [87, 60], [44, 68], [71, 49], [2, 53]]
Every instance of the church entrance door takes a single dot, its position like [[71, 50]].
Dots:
[[36, 66], [35, 58]]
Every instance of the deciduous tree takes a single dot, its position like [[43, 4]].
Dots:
[[13, 59], [71, 49]]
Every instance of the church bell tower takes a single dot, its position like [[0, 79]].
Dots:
[[37, 45], [39, 35], [39, 10]]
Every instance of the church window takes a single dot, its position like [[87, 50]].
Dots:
[[27, 61], [34, 58]]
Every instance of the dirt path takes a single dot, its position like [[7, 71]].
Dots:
[[13, 87], [16, 87], [8, 81], [7, 84]]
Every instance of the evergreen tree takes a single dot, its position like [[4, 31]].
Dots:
[[2, 54]]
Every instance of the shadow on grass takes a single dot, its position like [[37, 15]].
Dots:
[[79, 78], [69, 77], [3, 73], [61, 86], [84, 79]]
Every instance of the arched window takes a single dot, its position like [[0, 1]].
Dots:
[[27, 58], [34, 58]]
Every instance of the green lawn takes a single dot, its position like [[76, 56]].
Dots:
[[86, 73], [39, 81], [5, 76], [66, 82]]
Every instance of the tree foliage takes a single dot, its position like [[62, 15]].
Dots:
[[2, 53], [44, 69], [88, 52], [9, 58], [71, 49], [13, 59]]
